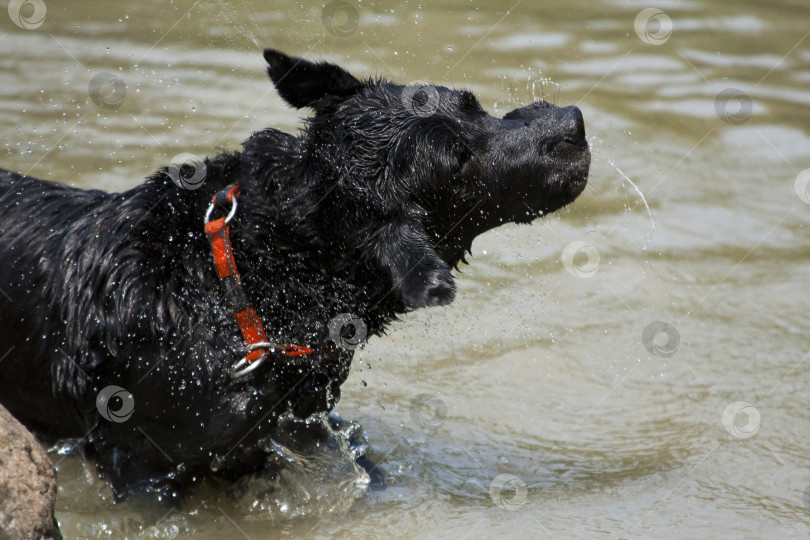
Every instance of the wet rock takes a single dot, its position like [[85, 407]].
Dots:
[[27, 484]]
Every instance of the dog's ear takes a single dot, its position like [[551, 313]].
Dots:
[[302, 83]]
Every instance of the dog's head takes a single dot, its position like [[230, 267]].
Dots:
[[432, 157]]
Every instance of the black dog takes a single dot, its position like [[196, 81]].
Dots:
[[123, 335]]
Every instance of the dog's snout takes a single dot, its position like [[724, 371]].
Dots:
[[553, 124], [572, 126], [564, 124]]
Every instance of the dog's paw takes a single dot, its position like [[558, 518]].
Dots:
[[426, 286]]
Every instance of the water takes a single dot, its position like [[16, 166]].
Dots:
[[594, 378]]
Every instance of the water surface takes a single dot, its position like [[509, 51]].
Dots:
[[535, 406]]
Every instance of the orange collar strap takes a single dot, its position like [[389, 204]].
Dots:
[[234, 296]]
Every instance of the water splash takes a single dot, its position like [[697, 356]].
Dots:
[[238, 22], [641, 196], [612, 163], [311, 472], [522, 92]]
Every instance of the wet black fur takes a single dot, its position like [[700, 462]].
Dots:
[[365, 212]]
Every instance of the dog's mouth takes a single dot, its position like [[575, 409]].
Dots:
[[568, 181], [551, 201], [557, 184]]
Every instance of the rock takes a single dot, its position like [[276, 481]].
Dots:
[[27, 484]]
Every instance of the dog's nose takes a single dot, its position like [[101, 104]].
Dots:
[[572, 125]]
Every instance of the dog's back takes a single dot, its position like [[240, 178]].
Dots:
[[54, 242], [36, 217]]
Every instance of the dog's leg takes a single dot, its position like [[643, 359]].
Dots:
[[419, 274]]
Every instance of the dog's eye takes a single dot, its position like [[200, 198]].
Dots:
[[460, 148], [461, 153]]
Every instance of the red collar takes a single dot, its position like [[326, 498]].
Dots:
[[256, 344]]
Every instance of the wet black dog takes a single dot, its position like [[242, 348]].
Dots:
[[119, 329]]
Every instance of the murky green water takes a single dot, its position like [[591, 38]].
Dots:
[[541, 371]]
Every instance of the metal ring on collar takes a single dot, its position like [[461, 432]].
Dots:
[[239, 371], [230, 214]]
